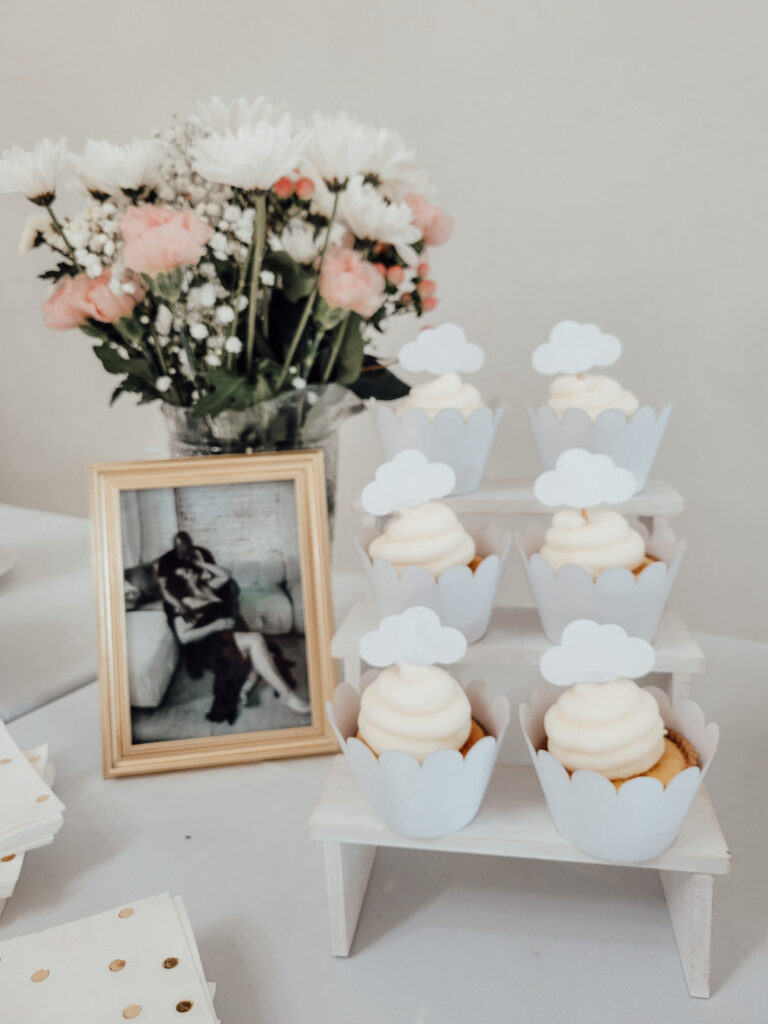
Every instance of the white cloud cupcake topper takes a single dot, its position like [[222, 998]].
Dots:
[[582, 479], [442, 349], [415, 636], [575, 348], [592, 653], [409, 480]]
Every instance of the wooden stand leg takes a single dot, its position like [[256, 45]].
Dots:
[[347, 870], [2, 905], [352, 671], [679, 687], [689, 901]]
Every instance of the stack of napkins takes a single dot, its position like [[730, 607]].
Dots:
[[30, 812], [136, 962]]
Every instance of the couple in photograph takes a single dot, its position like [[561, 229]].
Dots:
[[201, 602]]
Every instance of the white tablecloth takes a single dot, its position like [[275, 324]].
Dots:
[[443, 938], [47, 611]]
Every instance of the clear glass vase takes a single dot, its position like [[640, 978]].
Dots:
[[309, 418]]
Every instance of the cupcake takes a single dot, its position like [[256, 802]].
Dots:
[[419, 709], [424, 555], [595, 539], [445, 417], [592, 394], [615, 729], [448, 391], [592, 411], [619, 765], [421, 747], [429, 536], [591, 562]]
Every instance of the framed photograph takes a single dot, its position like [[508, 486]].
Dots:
[[214, 610]]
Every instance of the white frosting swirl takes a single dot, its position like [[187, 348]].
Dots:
[[448, 391], [430, 536], [595, 539], [592, 393], [612, 728], [415, 708]]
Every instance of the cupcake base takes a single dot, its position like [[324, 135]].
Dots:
[[678, 755]]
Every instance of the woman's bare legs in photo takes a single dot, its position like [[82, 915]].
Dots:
[[255, 646]]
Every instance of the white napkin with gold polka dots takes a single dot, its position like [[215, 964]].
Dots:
[[136, 962], [11, 863], [30, 812]]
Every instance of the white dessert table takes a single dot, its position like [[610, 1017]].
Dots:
[[47, 618], [443, 937]]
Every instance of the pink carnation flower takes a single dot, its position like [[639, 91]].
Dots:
[[158, 239], [83, 298], [435, 225], [349, 281]]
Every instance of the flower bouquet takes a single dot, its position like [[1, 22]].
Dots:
[[238, 264]]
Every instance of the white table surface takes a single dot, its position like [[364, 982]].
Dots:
[[47, 615], [443, 937]]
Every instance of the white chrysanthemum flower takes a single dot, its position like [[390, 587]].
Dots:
[[221, 118], [253, 158], [393, 167], [368, 215], [198, 331], [300, 241], [107, 169], [299, 383], [38, 228], [34, 173], [303, 243], [338, 149], [163, 383], [212, 359], [233, 345]]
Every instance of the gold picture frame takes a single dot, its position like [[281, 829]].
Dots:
[[110, 483]]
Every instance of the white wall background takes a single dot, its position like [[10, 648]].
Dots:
[[605, 160]]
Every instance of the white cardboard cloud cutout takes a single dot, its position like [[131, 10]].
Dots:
[[443, 349], [409, 480], [582, 479], [592, 653], [575, 348], [415, 636]]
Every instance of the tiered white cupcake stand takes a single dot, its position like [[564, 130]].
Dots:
[[514, 820]]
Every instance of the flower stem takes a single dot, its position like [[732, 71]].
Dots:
[[259, 240], [60, 228], [338, 341], [310, 303]]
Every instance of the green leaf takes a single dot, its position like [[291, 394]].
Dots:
[[114, 363], [295, 281], [132, 386], [376, 381], [223, 384], [131, 328], [349, 361], [230, 391]]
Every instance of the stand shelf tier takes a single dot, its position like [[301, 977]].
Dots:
[[514, 822], [515, 637], [502, 498]]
